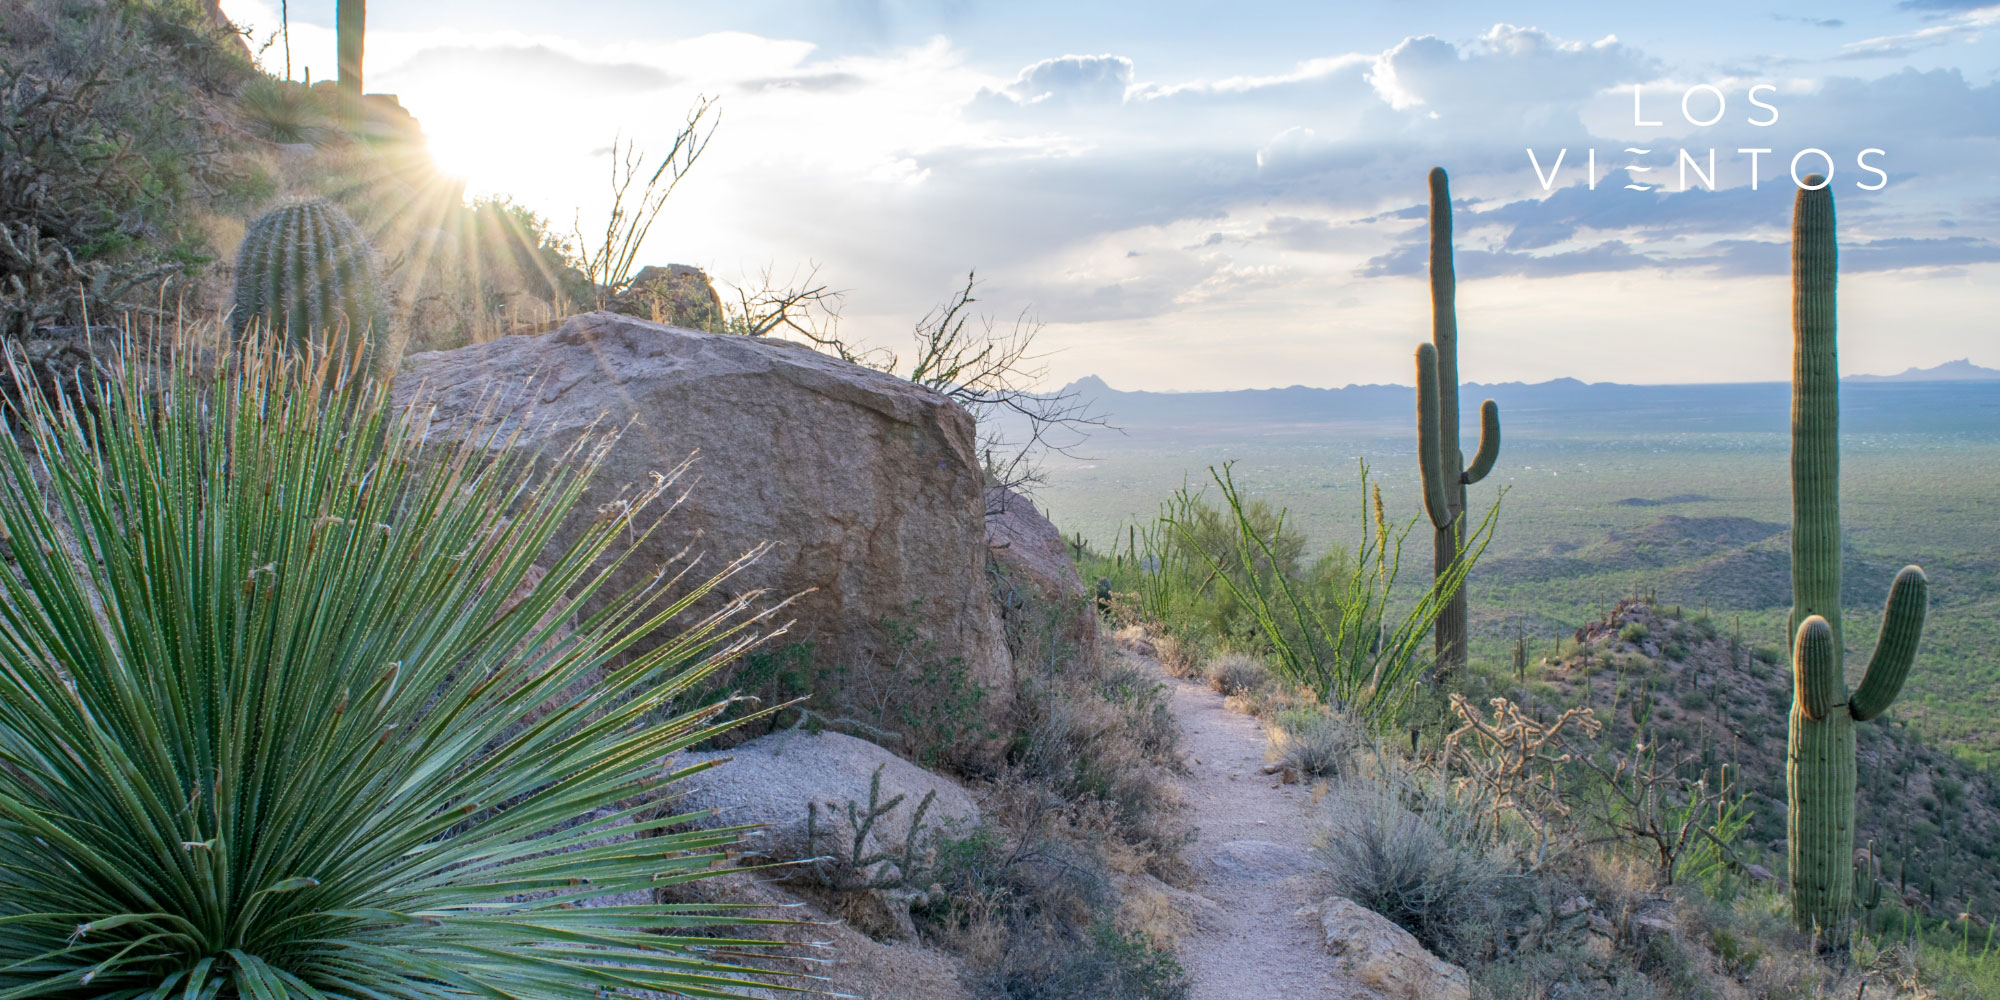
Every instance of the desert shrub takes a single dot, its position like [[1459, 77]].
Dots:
[[284, 112], [1029, 910], [1409, 848], [287, 712], [1635, 632], [1330, 631], [1236, 674], [108, 154], [1314, 742], [1108, 964]]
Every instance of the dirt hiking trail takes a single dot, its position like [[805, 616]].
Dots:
[[1251, 858]]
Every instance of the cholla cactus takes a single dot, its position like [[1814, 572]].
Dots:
[[306, 270], [1819, 760], [1438, 454]]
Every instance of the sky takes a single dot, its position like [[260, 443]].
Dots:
[[1195, 196]]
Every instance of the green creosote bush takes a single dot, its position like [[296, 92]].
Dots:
[[281, 720]]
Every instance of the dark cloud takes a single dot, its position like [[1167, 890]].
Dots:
[[1414, 258], [1890, 254]]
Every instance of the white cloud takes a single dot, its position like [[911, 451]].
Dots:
[[1129, 206]]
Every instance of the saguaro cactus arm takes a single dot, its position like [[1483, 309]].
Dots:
[[1489, 444], [1816, 669], [1895, 648], [1430, 448]]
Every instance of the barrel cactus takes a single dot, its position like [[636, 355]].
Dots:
[[306, 271], [1438, 454], [1819, 759]]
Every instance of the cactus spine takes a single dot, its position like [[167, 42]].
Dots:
[[1438, 453], [1819, 759], [306, 271]]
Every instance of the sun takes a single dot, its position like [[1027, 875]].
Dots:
[[465, 154]]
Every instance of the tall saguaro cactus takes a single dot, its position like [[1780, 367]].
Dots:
[[351, 27], [1819, 759], [1438, 451]]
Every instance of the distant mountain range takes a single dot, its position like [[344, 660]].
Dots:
[[1949, 397], [1962, 370]]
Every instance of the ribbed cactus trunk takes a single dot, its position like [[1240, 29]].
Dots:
[[307, 272], [1819, 759], [351, 28], [1438, 453], [1451, 625]]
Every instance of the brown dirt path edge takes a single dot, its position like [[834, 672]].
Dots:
[[1251, 857]]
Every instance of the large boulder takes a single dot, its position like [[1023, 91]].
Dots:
[[868, 486], [1028, 546], [1036, 581], [1387, 959]]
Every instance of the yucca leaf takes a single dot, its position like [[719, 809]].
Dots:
[[279, 718]]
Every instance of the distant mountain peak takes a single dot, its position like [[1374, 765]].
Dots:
[[1962, 370], [1088, 385]]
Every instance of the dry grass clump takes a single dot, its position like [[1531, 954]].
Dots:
[[1314, 742], [1232, 673], [1405, 845], [1179, 657]]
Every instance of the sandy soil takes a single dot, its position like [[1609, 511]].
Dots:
[[1251, 857]]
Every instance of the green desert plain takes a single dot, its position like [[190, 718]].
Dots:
[[1681, 491]]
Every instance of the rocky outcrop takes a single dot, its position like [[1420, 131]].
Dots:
[[678, 294], [1028, 546], [1036, 580], [812, 796], [1386, 958], [772, 780], [868, 486]]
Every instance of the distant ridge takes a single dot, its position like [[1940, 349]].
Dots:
[[1558, 407], [1962, 370]]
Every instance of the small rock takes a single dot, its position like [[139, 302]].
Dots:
[[1600, 926], [1599, 947], [1759, 873], [1653, 918], [1386, 958], [1572, 906]]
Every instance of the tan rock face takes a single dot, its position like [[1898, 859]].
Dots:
[[1385, 957], [868, 485], [1025, 543]]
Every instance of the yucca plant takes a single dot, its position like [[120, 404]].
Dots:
[[285, 714]]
